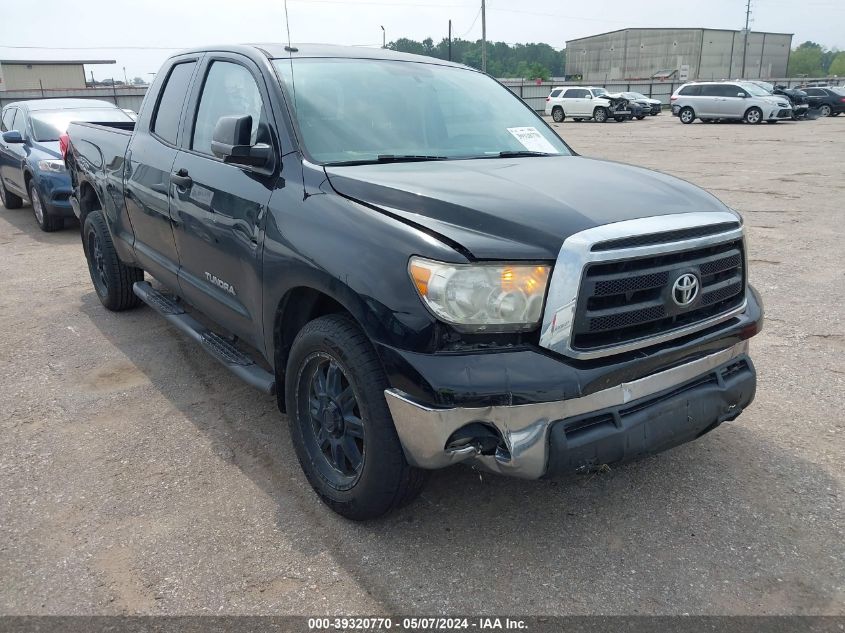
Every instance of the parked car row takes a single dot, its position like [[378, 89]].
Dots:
[[753, 102], [589, 102], [31, 165]]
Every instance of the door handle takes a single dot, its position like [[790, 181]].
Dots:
[[181, 179]]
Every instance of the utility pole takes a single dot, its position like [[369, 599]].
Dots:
[[383, 36], [484, 36], [125, 76], [92, 78], [450, 40], [745, 37]]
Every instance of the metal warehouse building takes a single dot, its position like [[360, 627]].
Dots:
[[23, 74], [678, 54]]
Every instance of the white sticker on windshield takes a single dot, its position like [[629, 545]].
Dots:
[[532, 140]]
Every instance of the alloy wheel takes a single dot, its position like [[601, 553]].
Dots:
[[331, 422]]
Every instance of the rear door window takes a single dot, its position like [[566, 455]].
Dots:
[[555, 93], [690, 91], [710, 91], [169, 110]]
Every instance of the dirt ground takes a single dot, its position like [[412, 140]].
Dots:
[[138, 476]]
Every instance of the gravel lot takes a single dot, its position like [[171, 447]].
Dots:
[[138, 476]]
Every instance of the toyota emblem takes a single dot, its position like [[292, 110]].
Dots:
[[685, 289]]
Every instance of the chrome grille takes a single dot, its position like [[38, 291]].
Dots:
[[610, 290], [629, 299]]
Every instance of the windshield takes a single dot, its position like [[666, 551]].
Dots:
[[363, 110], [634, 95], [50, 125], [755, 90], [599, 92], [765, 86]]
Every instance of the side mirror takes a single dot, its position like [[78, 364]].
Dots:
[[589, 96], [741, 94], [12, 137], [231, 142]]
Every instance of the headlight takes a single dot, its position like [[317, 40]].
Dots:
[[482, 297], [51, 165]]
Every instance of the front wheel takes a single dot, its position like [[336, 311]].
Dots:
[[600, 115], [686, 115], [112, 278], [340, 424], [558, 115], [753, 116], [46, 222], [825, 110]]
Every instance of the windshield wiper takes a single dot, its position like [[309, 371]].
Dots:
[[407, 158], [388, 158], [524, 152]]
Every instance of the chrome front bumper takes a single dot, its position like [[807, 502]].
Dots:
[[524, 429]]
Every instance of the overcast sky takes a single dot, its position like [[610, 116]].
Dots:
[[145, 32]]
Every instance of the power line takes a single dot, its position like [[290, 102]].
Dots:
[[472, 26]]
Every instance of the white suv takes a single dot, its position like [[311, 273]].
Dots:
[[713, 101], [586, 103]]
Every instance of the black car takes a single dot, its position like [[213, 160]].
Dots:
[[827, 101], [417, 266]]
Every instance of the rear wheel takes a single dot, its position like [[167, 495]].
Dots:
[[558, 114], [753, 116], [600, 115], [9, 200], [112, 278], [340, 424], [686, 115], [825, 110], [46, 221]]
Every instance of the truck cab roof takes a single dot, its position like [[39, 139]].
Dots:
[[276, 50]]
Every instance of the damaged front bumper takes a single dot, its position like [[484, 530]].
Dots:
[[611, 425]]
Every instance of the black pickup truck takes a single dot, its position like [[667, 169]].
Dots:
[[417, 266]]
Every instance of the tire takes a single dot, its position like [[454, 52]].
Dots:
[[754, 116], [686, 115], [640, 117], [112, 278], [359, 470], [600, 115], [46, 222], [825, 110], [558, 115], [619, 119], [8, 199]]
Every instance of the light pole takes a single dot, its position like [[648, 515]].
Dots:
[[383, 36]]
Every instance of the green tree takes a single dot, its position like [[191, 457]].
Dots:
[[837, 66], [806, 60], [503, 60]]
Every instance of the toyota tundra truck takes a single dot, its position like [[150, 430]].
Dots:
[[417, 266]]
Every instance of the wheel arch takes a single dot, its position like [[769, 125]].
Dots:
[[299, 305]]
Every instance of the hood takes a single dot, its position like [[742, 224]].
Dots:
[[50, 148], [519, 208]]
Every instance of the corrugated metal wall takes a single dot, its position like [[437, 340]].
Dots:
[[48, 76], [709, 54]]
